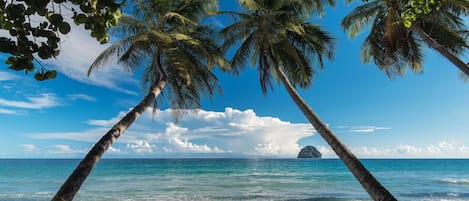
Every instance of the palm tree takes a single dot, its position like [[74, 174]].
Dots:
[[393, 47], [275, 35], [178, 54]]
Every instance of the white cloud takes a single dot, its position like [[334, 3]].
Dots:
[[446, 145], [408, 149], [10, 112], [234, 133], [366, 129], [43, 101], [177, 143], [78, 51], [113, 150], [81, 97], [231, 132], [61, 149], [107, 122], [28, 147], [464, 149], [91, 135], [141, 147], [441, 149], [4, 76]]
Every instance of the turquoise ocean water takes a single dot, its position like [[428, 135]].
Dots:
[[234, 179]]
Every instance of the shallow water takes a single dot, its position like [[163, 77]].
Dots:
[[234, 179]]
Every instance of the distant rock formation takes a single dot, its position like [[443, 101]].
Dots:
[[309, 152]]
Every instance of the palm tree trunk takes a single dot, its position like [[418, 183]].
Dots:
[[440, 49], [68, 190], [369, 183]]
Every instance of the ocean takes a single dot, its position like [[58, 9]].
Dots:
[[234, 179]]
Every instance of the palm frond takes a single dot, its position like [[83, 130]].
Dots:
[[359, 17], [241, 55], [135, 54], [394, 59], [458, 7], [444, 19], [167, 39], [295, 63], [309, 7], [109, 53], [316, 42], [263, 68], [129, 25], [394, 48], [151, 73], [451, 39], [197, 9], [412, 53], [175, 18], [248, 4], [189, 78], [275, 33], [209, 47]]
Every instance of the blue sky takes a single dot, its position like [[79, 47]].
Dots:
[[415, 116]]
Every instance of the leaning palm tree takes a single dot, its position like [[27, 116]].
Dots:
[[275, 35], [394, 47], [178, 54]]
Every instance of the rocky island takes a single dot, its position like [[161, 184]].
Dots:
[[309, 152]]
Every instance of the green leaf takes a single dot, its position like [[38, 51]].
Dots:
[[7, 25], [77, 2], [53, 74], [64, 28], [42, 11], [80, 19], [56, 19], [39, 77], [10, 60], [104, 39], [249, 4], [407, 23]]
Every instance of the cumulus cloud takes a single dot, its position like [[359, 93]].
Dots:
[[176, 142], [81, 97], [441, 149], [200, 132], [407, 149], [141, 147], [114, 150], [45, 100], [464, 149], [231, 133]]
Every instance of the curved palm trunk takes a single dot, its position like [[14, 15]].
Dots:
[[68, 190], [440, 49], [369, 183]]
